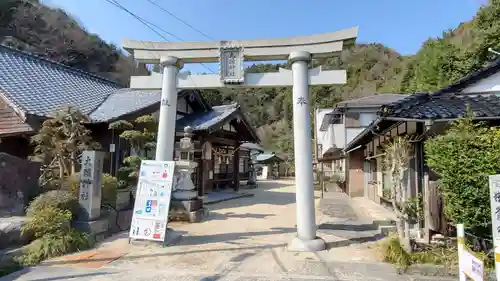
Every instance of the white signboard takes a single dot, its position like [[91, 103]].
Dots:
[[152, 200], [471, 266], [495, 217], [90, 184]]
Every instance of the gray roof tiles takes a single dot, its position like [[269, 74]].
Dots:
[[375, 100], [209, 119], [122, 102], [444, 106], [39, 86]]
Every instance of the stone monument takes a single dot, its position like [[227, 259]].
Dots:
[[90, 192]]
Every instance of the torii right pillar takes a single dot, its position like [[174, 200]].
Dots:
[[306, 239]]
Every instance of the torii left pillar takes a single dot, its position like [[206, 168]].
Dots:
[[168, 109]]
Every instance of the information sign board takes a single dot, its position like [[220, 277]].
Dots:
[[152, 200], [471, 266]]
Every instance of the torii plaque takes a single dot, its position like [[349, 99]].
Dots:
[[231, 55]]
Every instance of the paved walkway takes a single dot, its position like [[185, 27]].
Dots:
[[242, 239]]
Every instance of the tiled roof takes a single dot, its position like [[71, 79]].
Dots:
[[329, 118], [10, 121], [207, 120], [264, 157], [39, 86], [374, 100], [252, 146], [124, 101], [449, 106]]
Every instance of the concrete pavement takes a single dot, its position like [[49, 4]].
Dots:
[[242, 239]]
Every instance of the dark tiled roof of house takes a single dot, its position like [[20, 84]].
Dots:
[[10, 121], [210, 119], [449, 106], [39, 86], [329, 118]]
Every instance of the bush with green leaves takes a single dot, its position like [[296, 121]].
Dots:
[[60, 199], [464, 157], [109, 185], [49, 221], [50, 245], [51, 226]]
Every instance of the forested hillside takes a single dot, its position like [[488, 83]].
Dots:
[[371, 68]]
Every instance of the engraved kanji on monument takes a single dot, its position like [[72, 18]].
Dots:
[[90, 185]]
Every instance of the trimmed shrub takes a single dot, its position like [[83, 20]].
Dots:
[[51, 245], [109, 186], [49, 221], [60, 199], [464, 157]]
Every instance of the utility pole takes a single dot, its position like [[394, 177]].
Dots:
[[316, 152]]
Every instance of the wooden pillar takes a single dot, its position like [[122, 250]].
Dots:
[[236, 170]]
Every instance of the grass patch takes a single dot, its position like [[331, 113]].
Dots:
[[392, 252], [50, 246]]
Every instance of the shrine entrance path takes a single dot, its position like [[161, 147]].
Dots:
[[242, 239]]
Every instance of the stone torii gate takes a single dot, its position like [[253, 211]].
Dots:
[[231, 55]]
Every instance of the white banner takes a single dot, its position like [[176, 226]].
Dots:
[[152, 200]]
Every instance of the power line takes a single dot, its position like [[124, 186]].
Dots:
[[179, 19], [150, 25], [147, 23]]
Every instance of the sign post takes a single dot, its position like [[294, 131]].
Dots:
[[494, 181], [469, 266], [90, 184], [152, 201]]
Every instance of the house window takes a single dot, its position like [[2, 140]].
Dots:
[[352, 120]]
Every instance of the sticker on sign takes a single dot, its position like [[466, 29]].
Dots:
[[471, 266]]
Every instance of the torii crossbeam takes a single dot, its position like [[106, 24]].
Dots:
[[231, 55]]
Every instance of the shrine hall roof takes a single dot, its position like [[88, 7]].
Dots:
[[210, 119]]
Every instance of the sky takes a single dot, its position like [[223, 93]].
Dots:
[[402, 25]]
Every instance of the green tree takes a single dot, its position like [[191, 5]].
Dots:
[[464, 157], [59, 144], [435, 66], [141, 135]]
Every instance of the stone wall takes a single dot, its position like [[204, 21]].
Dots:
[[18, 184]]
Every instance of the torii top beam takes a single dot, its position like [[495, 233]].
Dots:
[[320, 46]]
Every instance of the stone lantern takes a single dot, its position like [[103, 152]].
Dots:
[[185, 201], [252, 179]]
